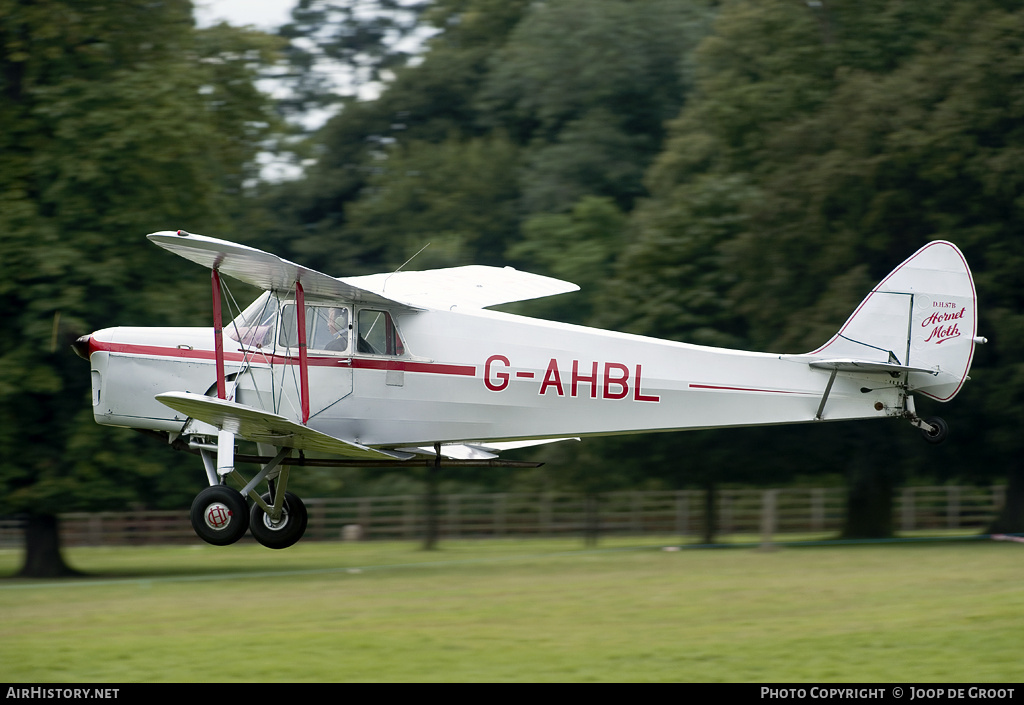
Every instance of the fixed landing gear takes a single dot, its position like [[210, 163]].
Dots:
[[937, 430], [934, 429], [284, 532], [219, 515]]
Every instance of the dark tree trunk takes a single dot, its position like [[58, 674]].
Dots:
[[1011, 517], [43, 558], [869, 500]]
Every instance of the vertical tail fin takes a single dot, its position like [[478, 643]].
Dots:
[[924, 315]]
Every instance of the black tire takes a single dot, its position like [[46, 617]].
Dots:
[[284, 533], [220, 515], [940, 430]]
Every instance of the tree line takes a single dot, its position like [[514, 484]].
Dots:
[[723, 173]]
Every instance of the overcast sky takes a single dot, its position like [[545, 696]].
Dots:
[[264, 14]]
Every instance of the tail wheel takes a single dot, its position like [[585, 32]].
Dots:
[[938, 432], [219, 515], [284, 532]]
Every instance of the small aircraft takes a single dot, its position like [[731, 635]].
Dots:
[[412, 367]]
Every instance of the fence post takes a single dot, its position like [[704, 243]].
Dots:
[[998, 498], [952, 507], [316, 519], [452, 517], [543, 514], [96, 530], [727, 505], [591, 519], [908, 508], [499, 515], [682, 513], [769, 504], [818, 509]]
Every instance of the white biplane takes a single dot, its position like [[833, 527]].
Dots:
[[411, 368]]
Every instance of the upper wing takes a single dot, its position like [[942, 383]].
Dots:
[[473, 286], [261, 269], [266, 427]]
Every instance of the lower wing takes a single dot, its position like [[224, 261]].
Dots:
[[267, 427]]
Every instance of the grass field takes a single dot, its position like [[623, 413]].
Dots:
[[539, 610]]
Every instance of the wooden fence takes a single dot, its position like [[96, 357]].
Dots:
[[682, 513]]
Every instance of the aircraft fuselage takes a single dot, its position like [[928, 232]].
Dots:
[[479, 375]]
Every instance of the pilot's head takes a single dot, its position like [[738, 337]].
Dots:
[[337, 320]]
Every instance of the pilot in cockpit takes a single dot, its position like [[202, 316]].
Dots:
[[337, 325]]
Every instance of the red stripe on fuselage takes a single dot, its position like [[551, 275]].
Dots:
[[408, 366], [258, 356]]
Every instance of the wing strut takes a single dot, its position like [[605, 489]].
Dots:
[[218, 337], [300, 313], [824, 397]]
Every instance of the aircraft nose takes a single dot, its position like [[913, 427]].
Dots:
[[81, 346]]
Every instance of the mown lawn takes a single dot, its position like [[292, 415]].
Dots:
[[539, 610]]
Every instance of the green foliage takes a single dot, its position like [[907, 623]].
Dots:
[[824, 144], [580, 247], [119, 121], [492, 83], [458, 195], [363, 37], [586, 87], [429, 103], [735, 174], [567, 58]]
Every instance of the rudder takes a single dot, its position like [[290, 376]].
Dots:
[[924, 315]]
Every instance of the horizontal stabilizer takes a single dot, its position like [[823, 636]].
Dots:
[[865, 366], [267, 427]]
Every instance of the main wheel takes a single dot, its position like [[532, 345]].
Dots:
[[220, 515], [939, 432], [286, 531]]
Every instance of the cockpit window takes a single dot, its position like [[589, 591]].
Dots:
[[378, 334], [327, 328], [255, 325]]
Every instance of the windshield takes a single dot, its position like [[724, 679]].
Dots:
[[255, 325]]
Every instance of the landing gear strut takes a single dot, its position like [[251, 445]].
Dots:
[[934, 429], [221, 515]]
